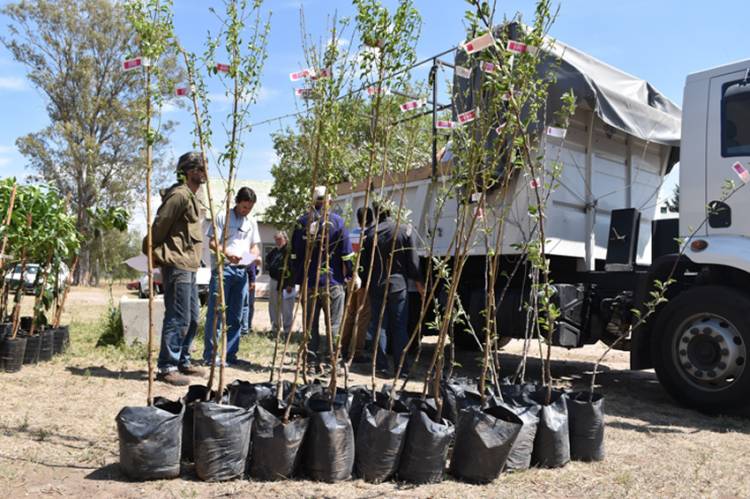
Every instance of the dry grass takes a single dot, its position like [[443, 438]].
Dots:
[[58, 437]]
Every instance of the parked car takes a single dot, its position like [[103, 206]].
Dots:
[[13, 277]]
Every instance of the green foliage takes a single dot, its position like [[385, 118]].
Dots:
[[73, 52], [112, 331]]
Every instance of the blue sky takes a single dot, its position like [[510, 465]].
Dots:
[[659, 40]]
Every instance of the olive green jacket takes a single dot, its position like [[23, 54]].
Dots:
[[177, 231]]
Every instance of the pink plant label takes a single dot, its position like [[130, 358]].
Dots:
[[377, 90], [412, 104], [299, 75], [468, 116], [479, 43], [534, 184], [487, 67], [445, 124], [463, 72], [303, 92], [131, 64], [321, 74], [520, 47], [741, 172], [222, 68], [182, 91]]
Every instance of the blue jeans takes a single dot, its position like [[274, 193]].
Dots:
[[248, 311], [235, 291], [393, 328], [181, 308]]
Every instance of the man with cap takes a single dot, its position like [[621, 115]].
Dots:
[[322, 231], [177, 237]]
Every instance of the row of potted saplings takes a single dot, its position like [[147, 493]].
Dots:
[[30, 345], [252, 431]]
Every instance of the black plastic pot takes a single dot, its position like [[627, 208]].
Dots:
[[586, 426], [47, 345], [458, 394], [150, 440], [246, 394], [552, 441], [221, 440], [520, 454], [426, 448], [26, 321], [277, 446], [66, 338], [380, 440], [484, 438], [361, 396], [12, 352], [33, 344], [57, 340], [329, 447], [195, 394]]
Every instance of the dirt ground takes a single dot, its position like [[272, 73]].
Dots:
[[58, 435]]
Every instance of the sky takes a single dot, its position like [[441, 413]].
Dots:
[[661, 41]]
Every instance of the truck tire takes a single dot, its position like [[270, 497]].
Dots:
[[701, 347]]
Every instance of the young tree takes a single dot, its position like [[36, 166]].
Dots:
[[73, 52]]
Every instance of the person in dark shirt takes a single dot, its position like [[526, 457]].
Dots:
[[327, 273], [389, 289], [354, 330], [280, 288], [248, 308]]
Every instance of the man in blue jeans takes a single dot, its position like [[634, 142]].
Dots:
[[177, 236], [390, 289], [241, 249]]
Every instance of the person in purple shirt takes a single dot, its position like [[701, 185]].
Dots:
[[332, 270]]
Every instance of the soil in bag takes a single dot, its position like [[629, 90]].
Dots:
[[46, 345], [221, 440], [484, 438], [150, 440], [552, 441], [12, 353], [277, 446], [520, 454], [426, 448], [380, 440], [586, 426], [329, 447]]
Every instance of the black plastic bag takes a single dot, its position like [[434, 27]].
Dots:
[[426, 448], [380, 440], [552, 441], [276, 446], [150, 440], [586, 425], [484, 438], [458, 394], [195, 395], [33, 345], [329, 447], [520, 454], [361, 396], [518, 393], [46, 345], [12, 352], [221, 440], [246, 394]]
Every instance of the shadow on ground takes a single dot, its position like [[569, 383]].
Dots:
[[103, 372]]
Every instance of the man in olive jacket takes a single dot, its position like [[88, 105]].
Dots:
[[177, 237]]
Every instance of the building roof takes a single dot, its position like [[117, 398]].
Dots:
[[262, 189]]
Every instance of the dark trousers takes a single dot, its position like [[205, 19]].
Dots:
[[332, 297], [181, 308], [393, 328]]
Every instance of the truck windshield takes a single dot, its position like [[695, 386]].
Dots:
[[735, 126]]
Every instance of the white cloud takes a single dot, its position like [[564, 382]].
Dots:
[[263, 95], [169, 107], [13, 83], [4, 161], [7, 149]]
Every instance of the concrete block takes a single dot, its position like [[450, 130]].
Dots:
[[135, 319]]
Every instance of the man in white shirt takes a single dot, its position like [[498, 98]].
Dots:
[[241, 250]]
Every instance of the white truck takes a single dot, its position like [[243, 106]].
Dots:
[[606, 246]]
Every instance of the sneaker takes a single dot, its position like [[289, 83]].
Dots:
[[190, 370], [173, 378]]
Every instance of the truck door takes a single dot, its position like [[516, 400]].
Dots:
[[727, 143]]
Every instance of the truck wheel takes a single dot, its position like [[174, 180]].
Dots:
[[701, 352]]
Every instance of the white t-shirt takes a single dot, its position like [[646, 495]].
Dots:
[[243, 234]]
